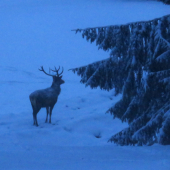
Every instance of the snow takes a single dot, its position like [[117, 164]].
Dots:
[[36, 33]]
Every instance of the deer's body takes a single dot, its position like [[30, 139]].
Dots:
[[46, 97]]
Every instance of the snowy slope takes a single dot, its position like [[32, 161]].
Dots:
[[38, 32]]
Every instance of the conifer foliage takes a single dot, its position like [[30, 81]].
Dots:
[[139, 68], [166, 1]]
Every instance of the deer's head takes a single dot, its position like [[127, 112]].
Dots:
[[57, 78]]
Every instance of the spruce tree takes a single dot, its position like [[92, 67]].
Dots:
[[139, 68], [166, 1]]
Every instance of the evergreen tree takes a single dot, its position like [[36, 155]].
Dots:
[[139, 68], [166, 1]]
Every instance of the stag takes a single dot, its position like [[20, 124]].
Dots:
[[46, 97]]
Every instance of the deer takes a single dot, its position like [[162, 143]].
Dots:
[[46, 98]]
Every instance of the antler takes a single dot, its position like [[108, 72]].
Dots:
[[42, 69], [56, 70]]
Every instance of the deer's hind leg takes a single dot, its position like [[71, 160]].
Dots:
[[46, 120], [35, 111]]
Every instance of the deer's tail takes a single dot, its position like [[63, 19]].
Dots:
[[32, 100]]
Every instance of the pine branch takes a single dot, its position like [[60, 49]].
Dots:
[[119, 26]]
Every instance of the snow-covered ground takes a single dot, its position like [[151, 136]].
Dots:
[[38, 32]]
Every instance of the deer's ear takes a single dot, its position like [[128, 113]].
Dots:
[[61, 76]]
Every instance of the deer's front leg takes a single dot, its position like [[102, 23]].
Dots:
[[51, 108]]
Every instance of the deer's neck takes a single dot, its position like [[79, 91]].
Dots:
[[56, 87]]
